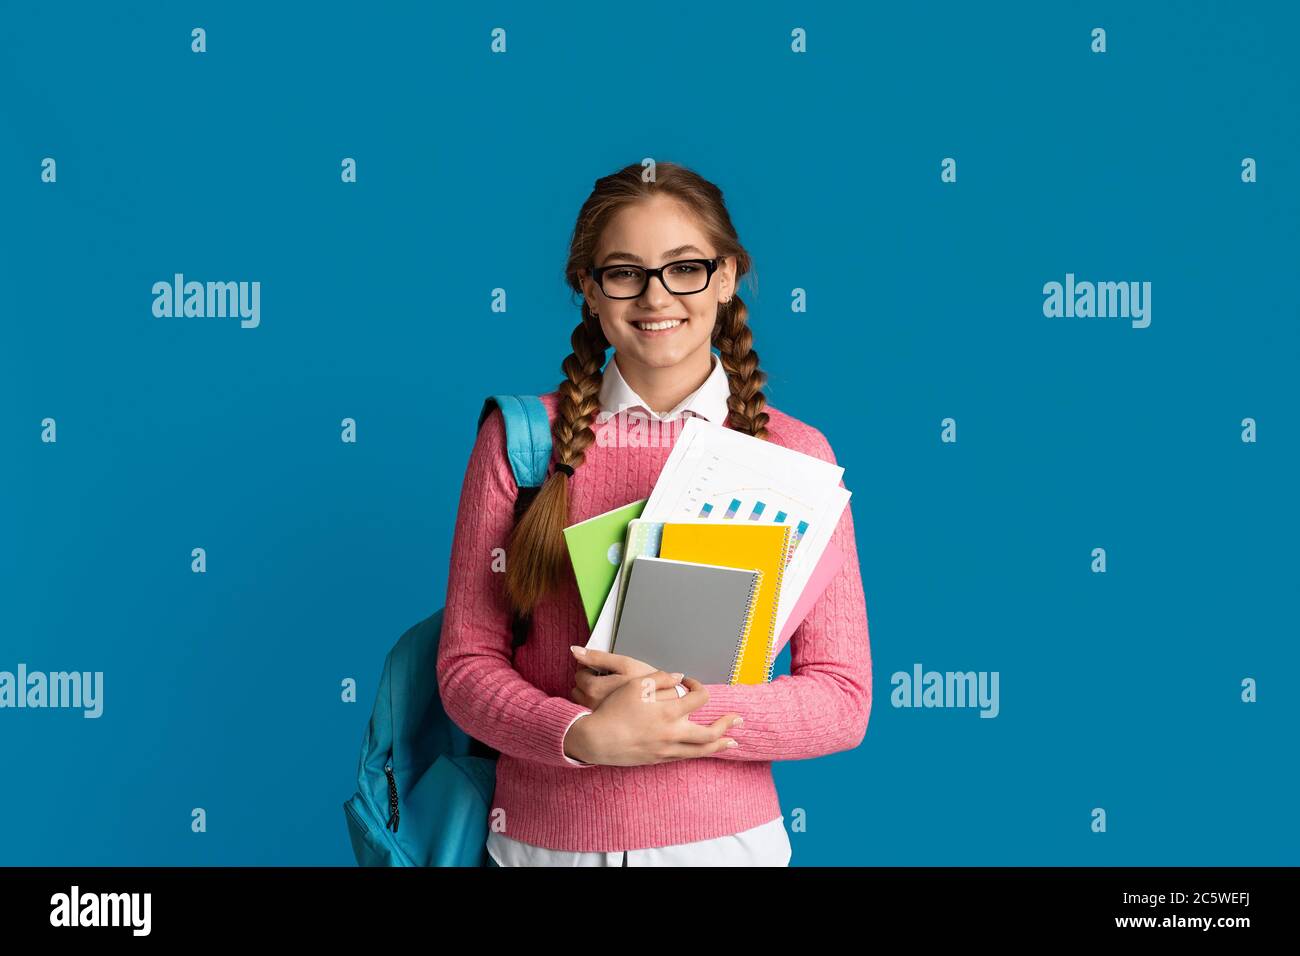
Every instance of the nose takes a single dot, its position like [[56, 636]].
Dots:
[[656, 292]]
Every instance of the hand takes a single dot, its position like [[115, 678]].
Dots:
[[633, 727], [591, 688]]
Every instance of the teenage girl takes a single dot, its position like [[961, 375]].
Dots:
[[639, 766]]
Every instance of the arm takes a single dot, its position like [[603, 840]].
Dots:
[[481, 691], [824, 704]]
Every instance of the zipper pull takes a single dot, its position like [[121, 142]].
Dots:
[[393, 816]]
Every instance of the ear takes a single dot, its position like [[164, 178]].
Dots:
[[588, 285], [727, 275]]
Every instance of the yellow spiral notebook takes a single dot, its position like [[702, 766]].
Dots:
[[765, 547]]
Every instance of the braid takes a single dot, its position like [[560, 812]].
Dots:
[[735, 343], [536, 556], [580, 391]]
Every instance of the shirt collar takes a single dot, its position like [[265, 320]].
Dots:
[[709, 401]]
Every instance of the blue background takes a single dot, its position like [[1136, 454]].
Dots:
[[1118, 690]]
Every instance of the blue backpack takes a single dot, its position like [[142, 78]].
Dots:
[[424, 787]]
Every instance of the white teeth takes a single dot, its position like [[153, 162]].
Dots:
[[659, 326]]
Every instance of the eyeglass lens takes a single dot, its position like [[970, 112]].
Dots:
[[682, 278]]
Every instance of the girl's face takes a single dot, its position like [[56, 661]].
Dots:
[[651, 234]]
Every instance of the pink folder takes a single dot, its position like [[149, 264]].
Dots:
[[828, 565]]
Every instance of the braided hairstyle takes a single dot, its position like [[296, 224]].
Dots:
[[536, 557]]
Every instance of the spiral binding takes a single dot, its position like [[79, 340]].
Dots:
[[787, 550], [742, 639], [643, 538]]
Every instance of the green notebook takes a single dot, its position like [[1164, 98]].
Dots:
[[596, 549]]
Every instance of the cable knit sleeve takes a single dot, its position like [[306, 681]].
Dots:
[[822, 706], [481, 691]]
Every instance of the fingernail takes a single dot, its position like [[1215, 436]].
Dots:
[[733, 743], [738, 721], [678, 677], [578, 649]]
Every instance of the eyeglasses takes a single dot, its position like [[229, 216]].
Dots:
[[682, 277]]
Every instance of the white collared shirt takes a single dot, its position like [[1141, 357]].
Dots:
[[765, 845], [709, 401]]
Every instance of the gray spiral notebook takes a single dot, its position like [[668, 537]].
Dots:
[[687, 617]]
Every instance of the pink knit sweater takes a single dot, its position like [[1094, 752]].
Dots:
[[523, 711]]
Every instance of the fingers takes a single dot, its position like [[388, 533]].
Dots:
[[579, 697], [649, 687], [601, 660], [656, 681], [590, 688], [601, 685], [670, 694], [693, 751], [695, 733], [596, 685], [696, 697], [606, 662], [666, 681]]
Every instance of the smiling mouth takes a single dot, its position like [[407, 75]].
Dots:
[[658, 325]]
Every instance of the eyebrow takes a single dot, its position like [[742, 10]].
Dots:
[[669, 255]]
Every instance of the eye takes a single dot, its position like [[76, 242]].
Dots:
[[686, 268]]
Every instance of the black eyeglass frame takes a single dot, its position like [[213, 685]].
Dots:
[[710, 265]]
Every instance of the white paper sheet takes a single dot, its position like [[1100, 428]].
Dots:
[[728, 471]]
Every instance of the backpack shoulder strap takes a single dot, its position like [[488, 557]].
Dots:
[[528, 436], [528, 447]]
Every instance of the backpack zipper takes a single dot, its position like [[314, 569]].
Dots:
[[393, 815]]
